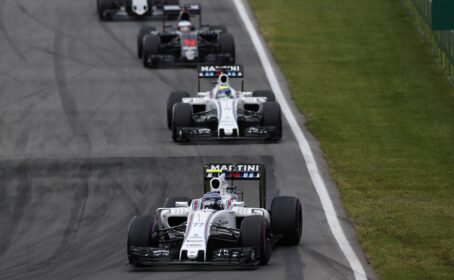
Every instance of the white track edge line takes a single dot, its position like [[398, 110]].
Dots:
[[319, 184]]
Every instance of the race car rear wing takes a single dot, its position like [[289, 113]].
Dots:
[[192, 9], [214, 71], [175, 12], [237, 172]]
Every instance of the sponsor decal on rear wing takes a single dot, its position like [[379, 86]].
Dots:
[[214, 71], [233, 171]]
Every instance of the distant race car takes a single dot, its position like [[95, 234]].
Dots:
[[217, 228], [223, 112], [185, 44], [132, 9]]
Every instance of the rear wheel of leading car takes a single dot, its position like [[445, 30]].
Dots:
[[227, 45], [272, 117], [264, 93], [104, 5], [174, 98], [151, 46], [171, 201], [144, 30], [287, 219], [255, 232], [182, 117], [143, 232]]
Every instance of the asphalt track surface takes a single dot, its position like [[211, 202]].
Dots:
[[84, 147]]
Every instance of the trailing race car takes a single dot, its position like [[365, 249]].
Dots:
[[223, 112], [185, 44], [217, 228], [132, 9]]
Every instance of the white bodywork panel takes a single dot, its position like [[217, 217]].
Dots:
[[227, 116], [140, 7], [199, 230]]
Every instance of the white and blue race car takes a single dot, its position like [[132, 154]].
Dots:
[[223, 112], [217, 228]]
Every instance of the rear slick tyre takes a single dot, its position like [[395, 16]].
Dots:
[[287, 219]]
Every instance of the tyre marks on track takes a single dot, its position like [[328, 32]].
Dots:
[[67, 99], [125, 198], [21, 200], [168, 82], [53, 29], [77, 212], [336, 268], [7, 35], [11, 77]]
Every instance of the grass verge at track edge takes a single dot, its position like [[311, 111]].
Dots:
[[320, 186]]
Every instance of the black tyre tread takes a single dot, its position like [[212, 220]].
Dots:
[[143, 233], [144, 30], [174, 98], [272, 117], [151, 45], [251, 235], [170, 201], [227, 45], [182, 117], [264, 93], [286, 219], [103, 5]]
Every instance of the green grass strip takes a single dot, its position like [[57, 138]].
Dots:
[[383, 112]]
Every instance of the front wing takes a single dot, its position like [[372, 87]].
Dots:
[[150, 256], [203, 133]]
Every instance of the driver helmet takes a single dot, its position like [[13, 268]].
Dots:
[[224, 91], [184, 26], [212, 200]]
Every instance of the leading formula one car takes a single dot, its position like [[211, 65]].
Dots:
[[217, 228], [223, 112], [186, 44], [132, 9]]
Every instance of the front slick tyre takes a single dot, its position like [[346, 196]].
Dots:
[[151, 47], [143, 232], [255, 232], [182, 117], [144, 31], [174, 98], [272, 118]]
